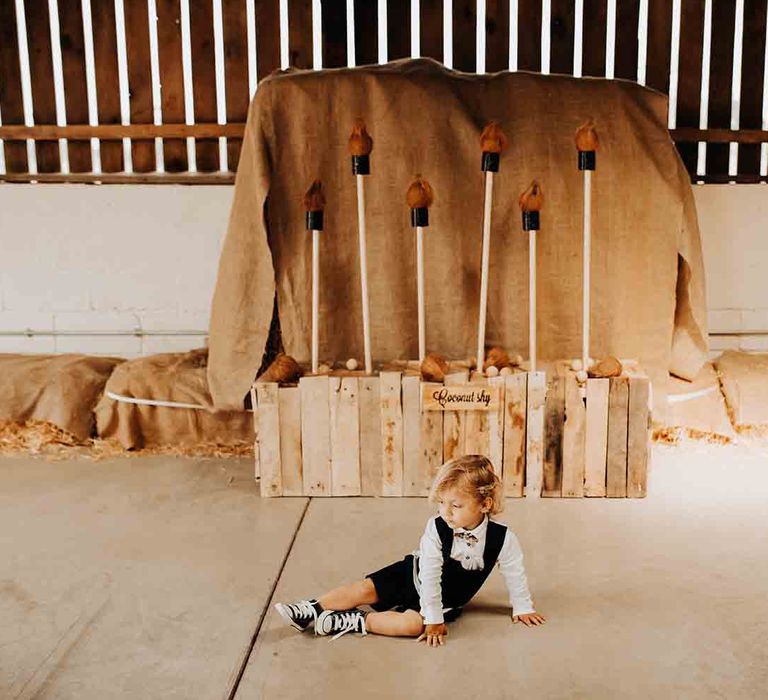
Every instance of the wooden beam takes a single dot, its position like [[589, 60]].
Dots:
[[51, 132], [687, 135], [123, 178]]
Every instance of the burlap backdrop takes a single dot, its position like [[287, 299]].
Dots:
[[427, 119]]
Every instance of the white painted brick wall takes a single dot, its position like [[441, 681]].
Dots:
[[109, 258], [81, 257]]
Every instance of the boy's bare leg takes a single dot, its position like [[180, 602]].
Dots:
[[395, 624], [350, 596]]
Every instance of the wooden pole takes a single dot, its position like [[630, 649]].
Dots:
[[484, 269], [315, 298], [364, 273]]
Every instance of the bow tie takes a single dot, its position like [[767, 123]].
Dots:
[[468, 536]]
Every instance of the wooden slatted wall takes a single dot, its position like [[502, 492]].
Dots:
[[173, 77]]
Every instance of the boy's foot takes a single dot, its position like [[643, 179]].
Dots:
[[340, 622], [300, 614]]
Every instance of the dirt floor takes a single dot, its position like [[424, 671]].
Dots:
[[155, 577]]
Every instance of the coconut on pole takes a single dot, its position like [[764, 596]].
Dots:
[[586, 145], [492, 142], [531, 202], [419, 198], [314, 204], [360, 147]]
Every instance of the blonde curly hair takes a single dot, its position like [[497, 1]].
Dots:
[[472, 474]]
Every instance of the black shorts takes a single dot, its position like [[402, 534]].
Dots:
[[396, 590]]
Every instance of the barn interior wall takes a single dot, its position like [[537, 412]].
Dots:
[[122, 258]]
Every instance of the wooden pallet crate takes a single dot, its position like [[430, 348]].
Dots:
[[597, 437], [356, 435], [347, 434]]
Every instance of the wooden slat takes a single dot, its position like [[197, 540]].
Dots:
[[41, 70], [574, 434], [431, 20], [743, 136], [398, 29], [119, 131], [370, 436], [464, 35], [255, 408], [139, 81], [172, 80], [515, 415], [108, 89], [496, 35], [638, 438], [366, 32], [10, 86], [236, 71], [290, 441], [720, 77], [593, 38], [596, 437], [454, 422], [554, 412], [496, 428], [334, 34], [204, 80], [345, 436], [269, 439], [391, 434], [659, 44], [477, 441], [616, 471], [534, 434], [752, 66], [300, 33], [431, 448], [561, 37], [689, 75], [75, 86], [315, 436], [125, 178], [267, 36], [413, 465], [529, 35]]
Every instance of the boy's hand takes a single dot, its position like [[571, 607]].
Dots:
[[530, 619], [434, 635]]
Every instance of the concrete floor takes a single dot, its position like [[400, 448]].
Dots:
[[149, 578]]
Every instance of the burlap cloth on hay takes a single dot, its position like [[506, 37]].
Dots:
[[744, 377], [177, 377], [59, 389], [427, 119]]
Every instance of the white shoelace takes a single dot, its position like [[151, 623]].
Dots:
[[347, 622], [302, 609]]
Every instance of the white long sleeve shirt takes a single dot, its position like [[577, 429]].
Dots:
[[470, 554]]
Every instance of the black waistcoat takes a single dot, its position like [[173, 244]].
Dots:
[[459, 585]]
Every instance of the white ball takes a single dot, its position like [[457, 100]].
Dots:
[[590, 362], [351, 363], [323, 369], [505, 371], [576, 365], [492, 371], [581, 376], [517, 360]]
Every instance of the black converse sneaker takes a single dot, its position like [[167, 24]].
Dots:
[[340, 622], [300, 614]]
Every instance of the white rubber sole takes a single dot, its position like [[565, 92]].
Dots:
[[286, 615]]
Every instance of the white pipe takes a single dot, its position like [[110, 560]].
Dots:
[[484, 269], [315, 298], [420, 288], [532, 299], [586, 267], [364, 274]]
